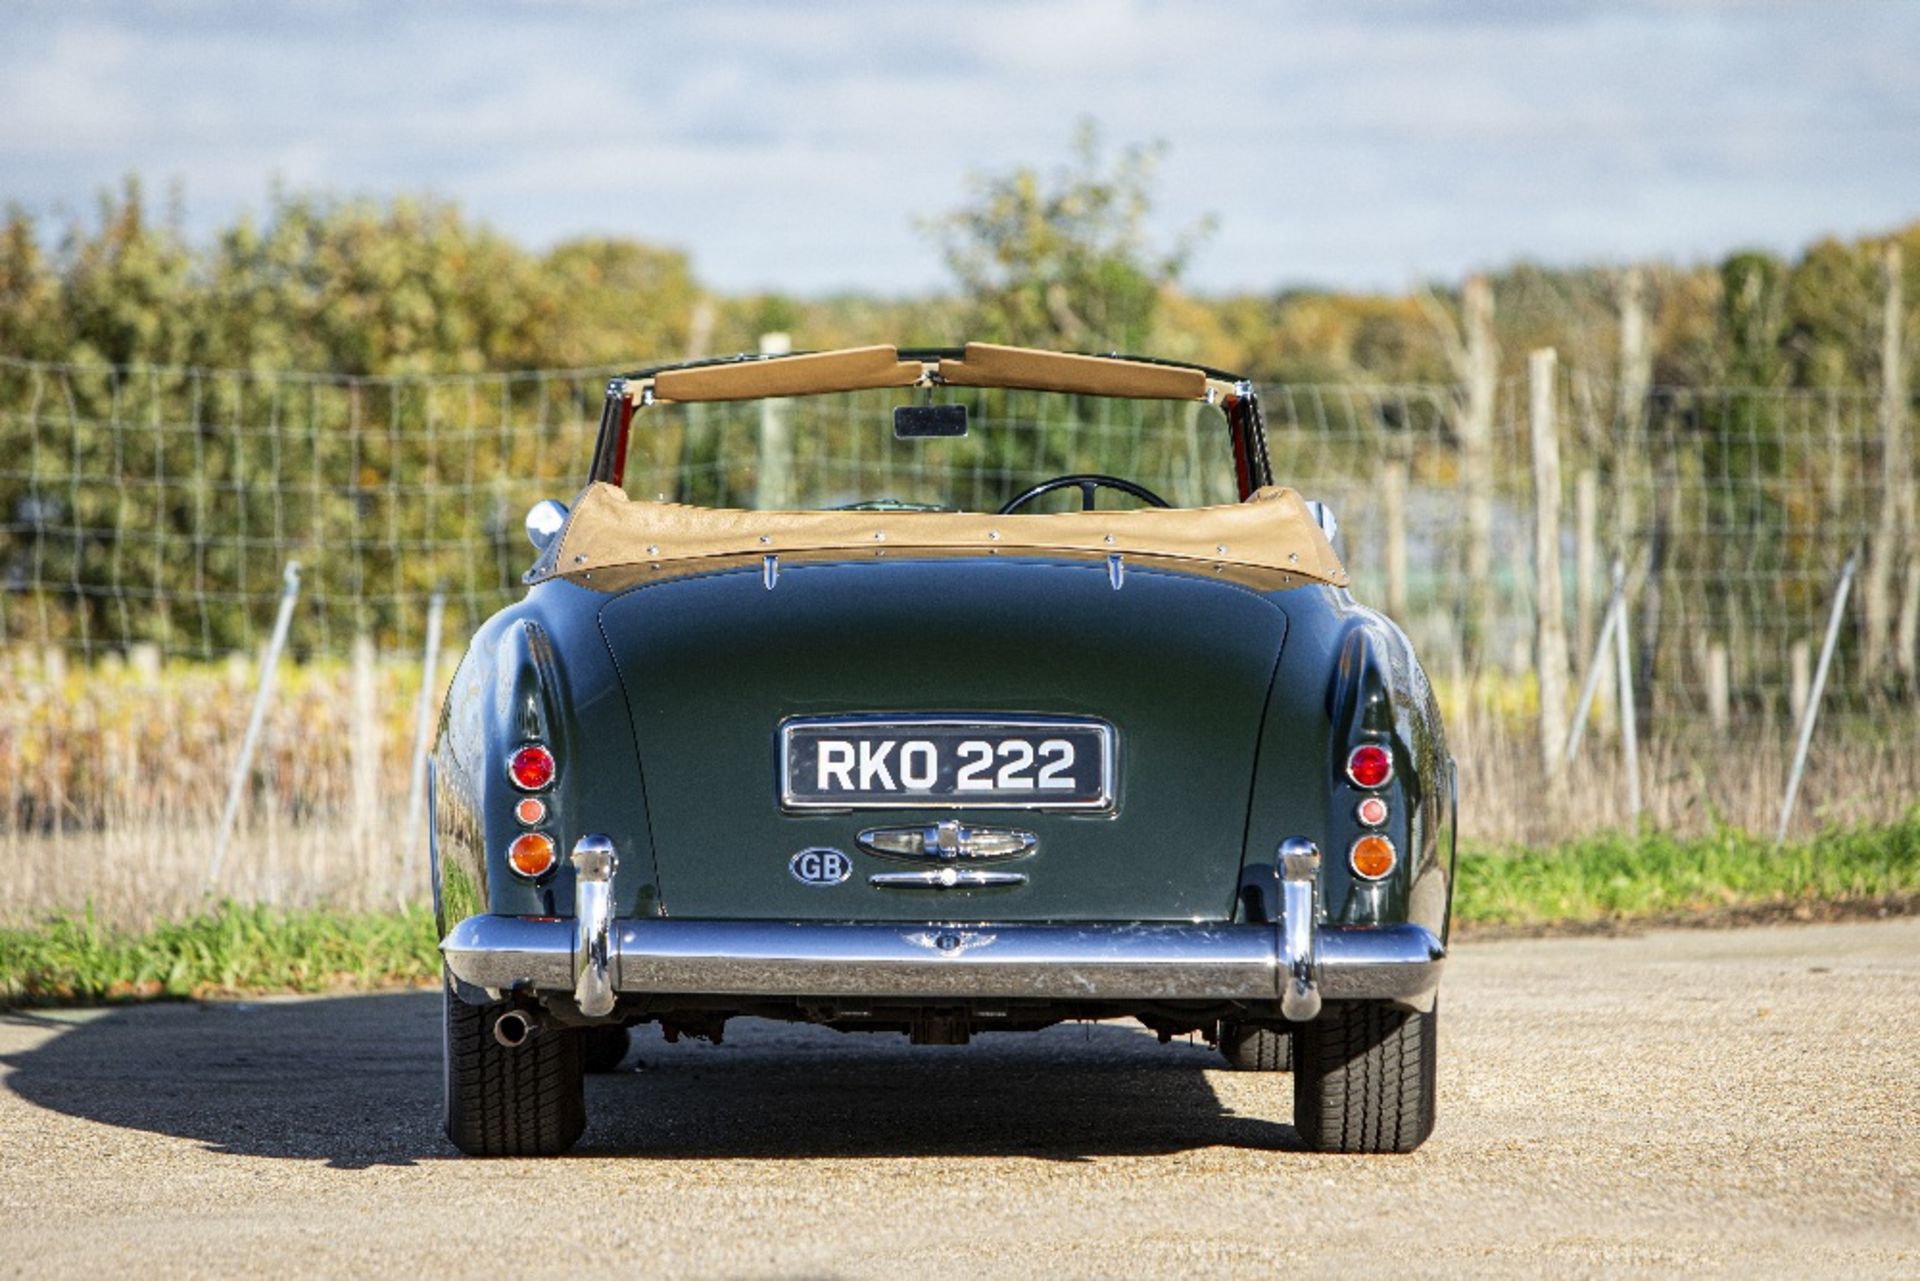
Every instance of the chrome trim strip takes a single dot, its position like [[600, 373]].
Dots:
[[594, 861], [945, 878], [1095, 962], [988, 721]]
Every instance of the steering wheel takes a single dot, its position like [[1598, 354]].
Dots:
[[1086, 483]]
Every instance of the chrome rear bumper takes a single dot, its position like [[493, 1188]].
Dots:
[[1094, 962]]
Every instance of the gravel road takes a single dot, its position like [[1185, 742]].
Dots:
[[1722, 1102]]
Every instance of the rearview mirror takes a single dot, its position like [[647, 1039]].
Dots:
[[913, 422], [545, 520]]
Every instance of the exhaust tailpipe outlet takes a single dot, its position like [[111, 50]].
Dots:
[[514, 1028]]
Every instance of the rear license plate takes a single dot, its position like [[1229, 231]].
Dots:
[[973, 761]]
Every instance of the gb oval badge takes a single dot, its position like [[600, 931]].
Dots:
[[820, 866]]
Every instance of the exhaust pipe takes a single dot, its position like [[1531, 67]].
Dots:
[[514, 1028]]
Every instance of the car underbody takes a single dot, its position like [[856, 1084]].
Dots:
[[922, 1022]]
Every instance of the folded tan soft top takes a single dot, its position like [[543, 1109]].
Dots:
[[1270, 531]]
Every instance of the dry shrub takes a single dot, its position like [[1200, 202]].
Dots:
[[117, 773]]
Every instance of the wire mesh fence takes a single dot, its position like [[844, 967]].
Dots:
[[159, 506], [1733, 511], [149, 514]]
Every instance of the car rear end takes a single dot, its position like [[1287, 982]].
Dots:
[[949, 789]]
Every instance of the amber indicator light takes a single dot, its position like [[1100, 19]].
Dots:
[[531, 854], [1372, 857]]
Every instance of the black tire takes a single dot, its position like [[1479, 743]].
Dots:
[[1256, 1049], [603, 1048], [1363, 1078], [526, 1101]]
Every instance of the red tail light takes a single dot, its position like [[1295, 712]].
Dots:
[[1370, 765], [531, 768]]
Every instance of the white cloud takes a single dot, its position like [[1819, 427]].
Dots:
[[792, 146]]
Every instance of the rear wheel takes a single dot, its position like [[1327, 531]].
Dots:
[[1256, 1049], [1363, 1078], [525, 1101]]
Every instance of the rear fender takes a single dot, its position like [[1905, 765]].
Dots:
[[536, 672], [1348, 676]]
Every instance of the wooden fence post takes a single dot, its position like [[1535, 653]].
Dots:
[[1480, 367], [1719, 713], [1586, 555], [1896, 475], [1630, 410], [700, 327], [773, 488], [425, 705], [1549, 622], [1475, 362], [1636, 348], [1906, 634], [1629, 734], [1393, 503], [364, 740], [1800, 678]]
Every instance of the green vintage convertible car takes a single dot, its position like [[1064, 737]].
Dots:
[[939, 693]]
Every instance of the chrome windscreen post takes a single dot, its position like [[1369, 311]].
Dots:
[[594, 862], [1299, 889]]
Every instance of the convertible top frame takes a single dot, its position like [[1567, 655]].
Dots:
[[758, 377]]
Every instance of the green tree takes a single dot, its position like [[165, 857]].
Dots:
[[129, 292], [1832, 297], [1064, 260], [410, 287], [29, 291], [614, 302]]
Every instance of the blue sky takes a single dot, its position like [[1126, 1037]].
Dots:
[[792, 146]]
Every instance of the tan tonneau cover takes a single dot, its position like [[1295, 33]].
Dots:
[[1270, 531]]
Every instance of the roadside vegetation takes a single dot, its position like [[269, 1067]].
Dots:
[[1726, 875], [1596, 882], [234, 950]]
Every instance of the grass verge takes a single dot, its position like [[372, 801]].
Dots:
[[235, 950], [1606, 880], [1618, 878]]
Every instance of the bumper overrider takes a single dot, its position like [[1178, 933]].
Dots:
[[597, 957]]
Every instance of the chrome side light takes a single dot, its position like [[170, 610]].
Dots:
[[545, 520]]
